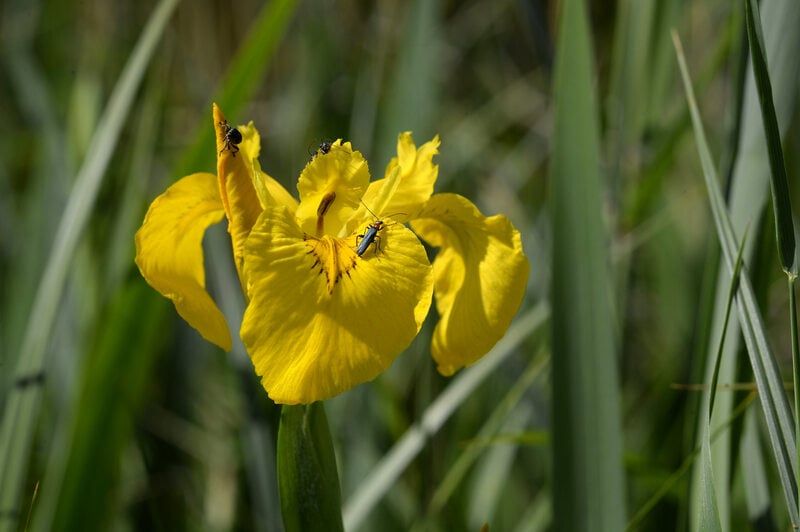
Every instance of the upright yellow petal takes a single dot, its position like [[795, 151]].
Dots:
[[330, 187], [169, 252], [417, 175], [480, 277], [235, 173], [322, 319], [269, 190]]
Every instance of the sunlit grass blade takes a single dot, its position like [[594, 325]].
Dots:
[[384, 474], [734, 287], [755, 472], [588, 484], [709, 513], [241, 80], [780, 424], [781, 204], [466, 459], [22, 404], [746, 194]]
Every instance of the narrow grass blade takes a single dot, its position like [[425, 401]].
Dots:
[[457, 472], [670, 483], [22, 404], [754, 473], [709, 512], [241, 80], [795, 363], [782, 207], [780, 424], [734, 287], [384, 474], [414, 82], [747, 196], [110, 396], [588, 485], [781, 204]]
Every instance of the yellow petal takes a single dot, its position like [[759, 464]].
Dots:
[[417, 175], [331, 186], [322, 319], [480, 271], [235, 173], [169, 252], [269, 190]]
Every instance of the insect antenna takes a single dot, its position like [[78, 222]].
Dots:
[[378, 217]]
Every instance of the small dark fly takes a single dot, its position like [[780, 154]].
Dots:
[[324, 148]]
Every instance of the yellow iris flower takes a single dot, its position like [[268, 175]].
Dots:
[[322, 318]]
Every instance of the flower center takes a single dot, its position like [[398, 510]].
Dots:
[[333, 257]]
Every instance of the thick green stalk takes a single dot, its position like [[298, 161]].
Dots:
[[307, 477]]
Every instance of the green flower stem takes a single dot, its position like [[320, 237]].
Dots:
[[307, 477]]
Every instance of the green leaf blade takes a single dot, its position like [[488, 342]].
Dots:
[[589, 491], [780, 423], [779, 185], [247, 69]]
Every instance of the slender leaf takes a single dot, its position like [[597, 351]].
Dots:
[[709, 514], [251, 61], [588, 485], [795, 363], [781, 204], [669, 484], [386, 472], [747, 198], [414, 83], [780, 424], [712, 391], [103, 417], [22, 405], [754, 473], [459, 469]]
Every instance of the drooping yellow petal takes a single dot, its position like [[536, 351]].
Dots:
[[235, 173], [330, 187], [480, 271], [169, 252], [417, 175], [322, 319]]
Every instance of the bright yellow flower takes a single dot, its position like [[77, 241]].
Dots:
[[322, 317]]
